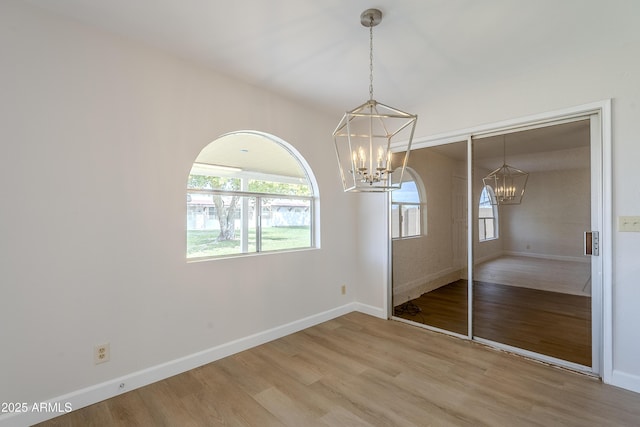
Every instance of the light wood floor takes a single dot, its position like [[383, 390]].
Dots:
[[362, 371]]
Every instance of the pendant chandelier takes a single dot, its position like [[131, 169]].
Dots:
[[507, 182], [365, 136]]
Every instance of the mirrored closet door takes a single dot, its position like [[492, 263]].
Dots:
[[429, 239], [531, 198], [532, 205]]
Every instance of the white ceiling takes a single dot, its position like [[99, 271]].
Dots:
[[318, 52]]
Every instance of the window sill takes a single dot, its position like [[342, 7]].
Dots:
[[489, 240], [407, 237], [247, 255]]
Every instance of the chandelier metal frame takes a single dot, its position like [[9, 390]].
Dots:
[[508, 183], [365, 136]]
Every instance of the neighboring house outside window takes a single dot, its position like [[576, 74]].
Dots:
[[487, 215], [248, 192], [408, 207]]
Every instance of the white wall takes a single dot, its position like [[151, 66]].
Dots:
[[98, 135], [553, 215], [372, 270]]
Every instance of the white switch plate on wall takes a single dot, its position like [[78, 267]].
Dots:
[[629, 223]]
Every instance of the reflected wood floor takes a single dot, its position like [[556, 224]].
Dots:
[[358, 370], [550, 323]]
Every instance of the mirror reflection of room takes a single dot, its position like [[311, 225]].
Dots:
[[430, 267], [532, 280]]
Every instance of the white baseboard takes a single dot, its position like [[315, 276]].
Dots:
[[99, 392], [414, 288], [371, 310], [626, 381], [403, 287], [480, 260], [545, 256]]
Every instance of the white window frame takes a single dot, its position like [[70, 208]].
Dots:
[[493, 218], [422, 206], [312, 201]]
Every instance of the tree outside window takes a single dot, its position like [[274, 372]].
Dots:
[[239, 203]]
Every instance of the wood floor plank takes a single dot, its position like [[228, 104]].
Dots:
[[225, 399], [549, 323], [358, 370], [444, 308], [339, 416], [289, 410]]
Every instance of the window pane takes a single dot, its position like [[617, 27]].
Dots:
[[490, 230], [271, 187], [408, 193], [209, 182], [485, 201], [215, 225], [410, 220], [254, 175], [481, 229], [405, 208], [285, 224], [487, 214], [395, 221]]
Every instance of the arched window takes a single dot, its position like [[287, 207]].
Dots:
[[407, 207], [487, 215], [249, 192]]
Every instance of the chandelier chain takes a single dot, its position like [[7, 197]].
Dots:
[[504, 149], [371, 59]]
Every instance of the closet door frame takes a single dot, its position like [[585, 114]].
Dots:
[[602, 318]]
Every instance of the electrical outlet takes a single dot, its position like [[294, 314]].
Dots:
[[101, 353], [343, 289]]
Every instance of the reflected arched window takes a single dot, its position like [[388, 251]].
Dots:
[[249, 192], [408, 207], [487, 215]]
